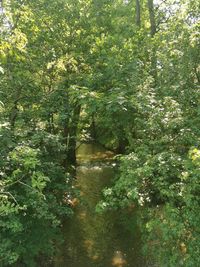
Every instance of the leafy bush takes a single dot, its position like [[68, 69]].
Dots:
[[173, 229], [167, 187], [31, 206]]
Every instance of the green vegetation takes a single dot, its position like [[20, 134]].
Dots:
[[121, 73]]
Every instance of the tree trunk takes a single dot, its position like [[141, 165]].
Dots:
[[152, 17], [138, 16], [65, 128], [153, 32], [93, 129], [71, 149]]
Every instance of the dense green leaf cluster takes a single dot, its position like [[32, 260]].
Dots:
[[31, 205], [161, 127]]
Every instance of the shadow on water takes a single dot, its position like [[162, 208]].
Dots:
[[97, 240]]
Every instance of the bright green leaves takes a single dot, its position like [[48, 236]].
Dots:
[[38, 181], [19, 40], [177, 224], [26, 157], [1, 70], [27, 204], [195, 156]]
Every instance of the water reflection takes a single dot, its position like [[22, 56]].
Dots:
[[118, 259], [97, 240], [92, 152]]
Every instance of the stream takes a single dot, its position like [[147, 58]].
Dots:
[[92, 239]]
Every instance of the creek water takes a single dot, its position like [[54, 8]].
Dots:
[[93, 239]]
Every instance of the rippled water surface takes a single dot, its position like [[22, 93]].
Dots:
[[98, 240]]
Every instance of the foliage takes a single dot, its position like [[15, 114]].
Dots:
[[164, 107], [174, 227], [123, 74], [31, 207]]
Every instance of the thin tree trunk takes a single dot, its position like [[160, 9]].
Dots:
[[138, 13], [13, 116], [65, 130], [71, 151], [93, 128], [152, 17], [153, 32]]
